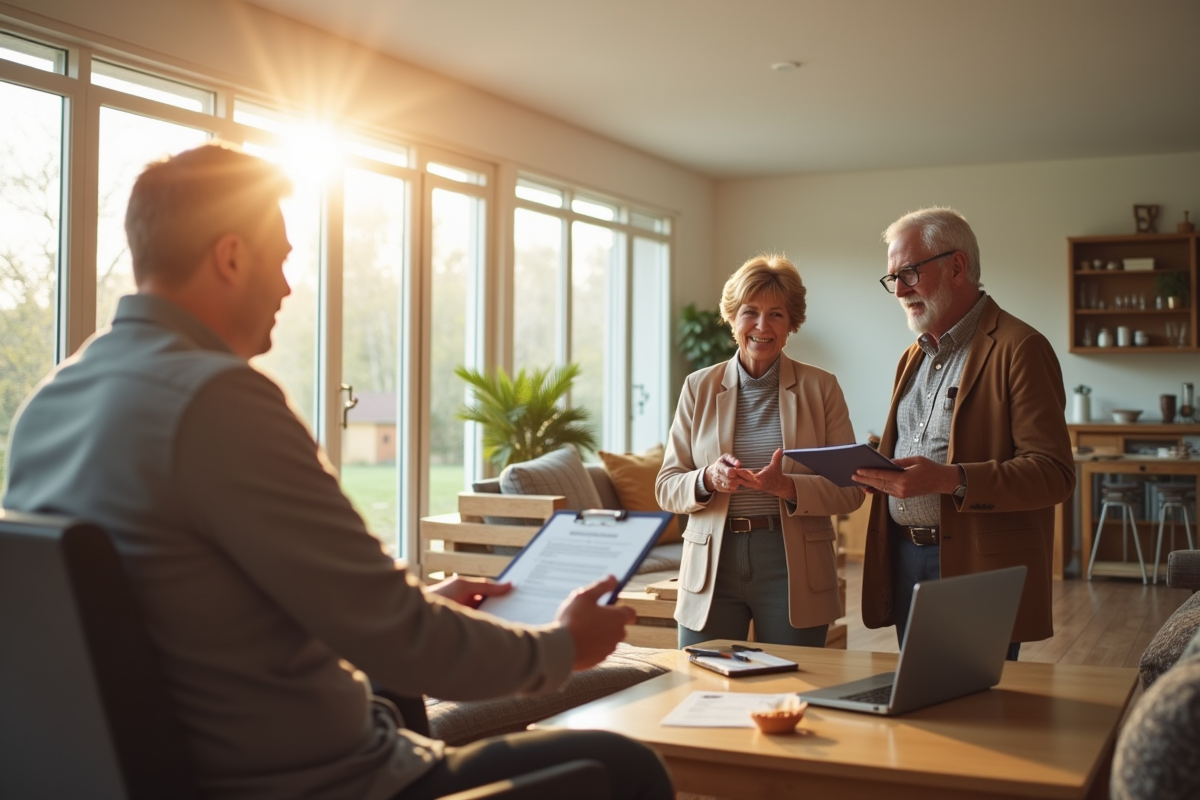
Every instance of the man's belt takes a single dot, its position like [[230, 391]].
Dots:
[[747, 524], [922, 535]]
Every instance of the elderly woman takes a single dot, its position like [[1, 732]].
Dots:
[[759, 544]]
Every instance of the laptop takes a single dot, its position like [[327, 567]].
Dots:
[[955, 644]]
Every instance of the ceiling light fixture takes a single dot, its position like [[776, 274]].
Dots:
[[785, 66]]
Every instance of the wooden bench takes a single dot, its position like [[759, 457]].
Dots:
[[464, 543]]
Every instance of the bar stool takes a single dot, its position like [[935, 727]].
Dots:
[[1122, 496], [1172, 497]]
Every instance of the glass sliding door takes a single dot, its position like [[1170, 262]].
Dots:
[[650, 348], [373, 300], [454, 323]]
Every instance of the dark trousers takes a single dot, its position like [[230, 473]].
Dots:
[[634, 770], [912, 563], [752, 584]]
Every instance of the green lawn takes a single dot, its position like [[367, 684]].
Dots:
[[372, 489]]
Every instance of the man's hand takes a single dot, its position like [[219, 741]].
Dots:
[[772, 480], [920, 476], [469, 591], [596, 629]]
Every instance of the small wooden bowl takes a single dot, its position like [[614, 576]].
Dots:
[[779, 720]]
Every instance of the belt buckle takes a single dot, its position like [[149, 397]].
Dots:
[[734, 526], [923, 535]]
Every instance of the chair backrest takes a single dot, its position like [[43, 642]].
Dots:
[[84, 710]]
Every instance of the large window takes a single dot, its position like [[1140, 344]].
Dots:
[[30, 217], [394, 271], [590, 287]]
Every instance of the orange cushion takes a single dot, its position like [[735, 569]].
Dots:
[[633, 477]]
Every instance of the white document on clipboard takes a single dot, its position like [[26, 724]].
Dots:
[[572, 550]]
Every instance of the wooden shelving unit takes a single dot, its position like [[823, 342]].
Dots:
[[1128, 297]]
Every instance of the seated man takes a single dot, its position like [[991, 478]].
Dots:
[[261, 587]]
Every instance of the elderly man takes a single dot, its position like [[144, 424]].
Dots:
[[260, 585], [977, 423]]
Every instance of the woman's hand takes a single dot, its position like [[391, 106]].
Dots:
[[771, 479], [726, 475], [469, 591]]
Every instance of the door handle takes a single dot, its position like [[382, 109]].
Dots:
[[350, 402]]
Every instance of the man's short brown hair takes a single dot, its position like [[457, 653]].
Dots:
[[181, 205]]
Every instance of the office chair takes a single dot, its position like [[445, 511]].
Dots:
[[84, 710]]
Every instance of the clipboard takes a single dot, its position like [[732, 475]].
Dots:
[[839, 462], [736, 661], [574, 549]]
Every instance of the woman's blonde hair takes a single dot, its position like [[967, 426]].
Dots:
[[766, 273]]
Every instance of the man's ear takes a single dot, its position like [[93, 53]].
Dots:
[[229, 254], [959, 260]]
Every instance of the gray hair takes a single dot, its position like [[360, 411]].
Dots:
[[942, 228]]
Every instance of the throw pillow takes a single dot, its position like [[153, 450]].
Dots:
[[1168, 644], [558, 472], [1155, 757], [633, 476]]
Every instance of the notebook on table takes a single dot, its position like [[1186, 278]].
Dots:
[[956, 641]]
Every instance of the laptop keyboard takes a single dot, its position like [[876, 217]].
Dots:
[[881, 696]]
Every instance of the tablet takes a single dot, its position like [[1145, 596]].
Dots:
[[572, 550], [838, 463]]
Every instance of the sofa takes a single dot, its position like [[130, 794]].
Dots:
[[1158, 751], [500, 515]]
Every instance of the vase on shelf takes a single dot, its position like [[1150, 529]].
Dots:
[[1166, 404], [1081, 408]]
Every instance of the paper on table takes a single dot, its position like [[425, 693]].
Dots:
[[568, 553], [720, 709]]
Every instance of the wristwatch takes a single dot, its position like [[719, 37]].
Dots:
[[961, 489]]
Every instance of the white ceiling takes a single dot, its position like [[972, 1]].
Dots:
[[883, 83]]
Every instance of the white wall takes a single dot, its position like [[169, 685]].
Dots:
[[290, 61], [830, 226]]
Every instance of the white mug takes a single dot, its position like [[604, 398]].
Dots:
[[1123, 336], [1141, 338]]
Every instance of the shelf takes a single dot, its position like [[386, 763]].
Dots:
[[1173, 253], [1133, 311], [1131, 350]]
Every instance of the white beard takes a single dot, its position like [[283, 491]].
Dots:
[[936, 306]]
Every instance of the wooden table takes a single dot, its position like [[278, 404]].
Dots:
[[1047, 730], [1088, 468]]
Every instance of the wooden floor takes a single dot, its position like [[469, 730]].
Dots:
[[1104, 622]]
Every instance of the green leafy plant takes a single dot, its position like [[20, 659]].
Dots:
[[522, 417], [1171, 283], [704, 339]]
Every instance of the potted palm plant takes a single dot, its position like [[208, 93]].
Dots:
[[524, 417]]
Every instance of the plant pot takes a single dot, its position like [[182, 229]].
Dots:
[[1174, 302]]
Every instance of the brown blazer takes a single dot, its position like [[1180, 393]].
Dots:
[[1010, 434], [812, 413]]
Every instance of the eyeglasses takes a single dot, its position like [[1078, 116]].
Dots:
[[909, 275]]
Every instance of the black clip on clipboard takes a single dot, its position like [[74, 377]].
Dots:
[[601, 516], [559, 556]]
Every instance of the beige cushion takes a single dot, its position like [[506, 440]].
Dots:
[[560, 472], [633, 475]]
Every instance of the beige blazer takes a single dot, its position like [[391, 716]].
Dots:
[[1010, 435], [812, 413]]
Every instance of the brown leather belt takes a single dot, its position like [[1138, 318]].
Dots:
[[747, 524], [923, 535]]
